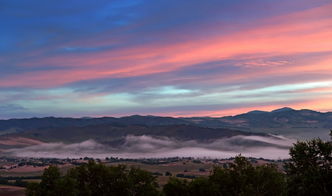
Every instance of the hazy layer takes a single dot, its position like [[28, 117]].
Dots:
[[271, 147]]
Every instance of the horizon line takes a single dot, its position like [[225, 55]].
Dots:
[[160, 115]]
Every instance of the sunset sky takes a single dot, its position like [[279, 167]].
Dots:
[[77, 58]]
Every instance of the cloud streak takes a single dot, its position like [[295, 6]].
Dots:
[[122, 55]]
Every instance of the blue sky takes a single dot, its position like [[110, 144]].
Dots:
[[173, 58]]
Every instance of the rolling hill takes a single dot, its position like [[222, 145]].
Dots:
[[298, 124], [256, 133]]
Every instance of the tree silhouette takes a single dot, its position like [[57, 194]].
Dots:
[[94, 179], [242, 178], [310, 168]]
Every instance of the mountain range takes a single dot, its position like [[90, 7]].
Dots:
[[253, 129], [280, 121]]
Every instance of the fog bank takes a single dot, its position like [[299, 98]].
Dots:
[[270, 147]]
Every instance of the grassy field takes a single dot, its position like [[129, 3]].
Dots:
[[184, 168], [27, 171], [11, 190]]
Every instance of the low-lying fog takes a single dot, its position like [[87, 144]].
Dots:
[[270, 147]]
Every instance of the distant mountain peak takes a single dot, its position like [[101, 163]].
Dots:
[[284, 109], [256, 112]]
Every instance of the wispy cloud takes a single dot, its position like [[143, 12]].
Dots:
[[125, 57]]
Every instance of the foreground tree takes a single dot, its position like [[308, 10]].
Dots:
[[309, 171], [52, 184], [203, 187], [142, 183], [242, 178], [94, 179], [176, 187]]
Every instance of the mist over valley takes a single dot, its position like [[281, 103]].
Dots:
[[254, 134]]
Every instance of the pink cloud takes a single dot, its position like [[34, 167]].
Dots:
[[303, 32]]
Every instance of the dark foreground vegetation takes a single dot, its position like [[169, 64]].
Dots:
[[308, 172]]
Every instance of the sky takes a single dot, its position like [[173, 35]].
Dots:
[[76, 58]]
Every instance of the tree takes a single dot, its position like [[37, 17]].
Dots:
[[52, 184], [95, 179], [176, 187], [242, 178], [50, 179], [202, 187], [310, 168], [33, 189], [142, 183]]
